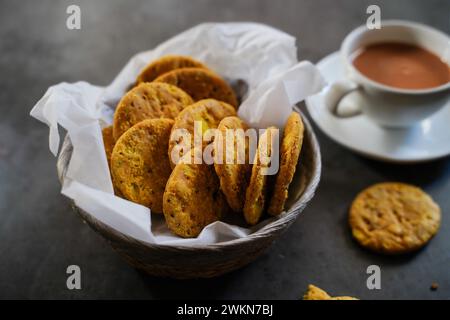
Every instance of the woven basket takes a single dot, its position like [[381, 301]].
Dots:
[[204, 261]]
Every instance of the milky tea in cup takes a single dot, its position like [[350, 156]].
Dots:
[[396, 76], [401, 65]]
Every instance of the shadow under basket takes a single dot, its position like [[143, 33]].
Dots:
[[205, 261]]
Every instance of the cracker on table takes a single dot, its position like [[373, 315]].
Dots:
[[394, 218]]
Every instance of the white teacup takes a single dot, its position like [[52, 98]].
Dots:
[[386, 105]]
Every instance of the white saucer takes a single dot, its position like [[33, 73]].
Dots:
[[426, 141]]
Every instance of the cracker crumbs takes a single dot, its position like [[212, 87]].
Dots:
[[434, 286]]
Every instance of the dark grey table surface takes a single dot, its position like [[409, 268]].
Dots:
[[40, 235]]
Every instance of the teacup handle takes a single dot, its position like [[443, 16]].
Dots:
[[335, 102]]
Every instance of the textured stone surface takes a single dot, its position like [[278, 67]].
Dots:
[[40, 235]]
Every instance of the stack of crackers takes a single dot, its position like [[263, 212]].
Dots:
[[169, 96]]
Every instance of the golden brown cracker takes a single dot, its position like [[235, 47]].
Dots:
[[166, 64], [148, 101], [315, 293], [108, 142], [234, 175], [139, 163], [200, 84], [192, 198], [343, 298], [394, 218], [291, 146], [256, 193], [208, 113]]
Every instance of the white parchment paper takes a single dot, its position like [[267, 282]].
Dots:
[[263, 57]]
